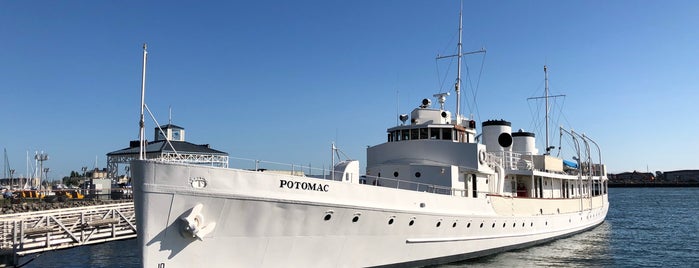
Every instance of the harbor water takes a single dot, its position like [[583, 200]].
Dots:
[[645, 227]]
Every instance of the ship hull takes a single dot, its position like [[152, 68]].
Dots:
[[261, 219]]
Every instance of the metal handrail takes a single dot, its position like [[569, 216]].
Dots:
[[298, 170]]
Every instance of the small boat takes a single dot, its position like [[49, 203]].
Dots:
[[437, 191]]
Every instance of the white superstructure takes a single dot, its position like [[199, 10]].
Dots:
[[436, 191]]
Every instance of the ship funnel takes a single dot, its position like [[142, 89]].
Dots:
[[497, 135], [524, 142]]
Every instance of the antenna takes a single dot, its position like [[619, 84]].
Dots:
[[459, 54], [442, 98]]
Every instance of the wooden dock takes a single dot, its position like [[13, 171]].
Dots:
[[33, 232]]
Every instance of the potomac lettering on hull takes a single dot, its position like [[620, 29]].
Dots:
[[303, 185]]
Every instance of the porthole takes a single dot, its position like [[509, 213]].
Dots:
[[531, 224], [522, 224], [395, 174], [468, 225], [493, 225], [547, 223], [503, 225], [439, 223], [417, 174], [355, 219], [453, 225], [481, 225], [411, 222], [390, 221], [514, 225], [327, 217]]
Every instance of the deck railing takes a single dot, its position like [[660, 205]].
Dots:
[[325, 173]]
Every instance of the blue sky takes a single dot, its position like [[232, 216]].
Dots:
[[281, 80]]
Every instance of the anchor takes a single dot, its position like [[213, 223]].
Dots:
[[193, 223]]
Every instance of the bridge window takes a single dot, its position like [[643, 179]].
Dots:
[[434, 133], [423, 133], [390, 137], [405, 134], [414, 135], [446, 134]]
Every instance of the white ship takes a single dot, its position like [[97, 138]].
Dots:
[[437, 191]]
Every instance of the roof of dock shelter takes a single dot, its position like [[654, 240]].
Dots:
[[163, 146]]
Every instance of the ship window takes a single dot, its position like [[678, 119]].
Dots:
[[417, 174], [446, 134], [414, 134], [423, 133], [468, 225], [481, 225], [411, 223], [355, 219], [390, 221], [390, 137], [503, 225], [327, 217], [453, 225], [439, 223], [405, 134], [493, 225], [434, 133], [395, 174]]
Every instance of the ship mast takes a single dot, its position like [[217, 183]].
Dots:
[[546, 97], [141, 136], [457, 86], [459, 54], [547, 109]]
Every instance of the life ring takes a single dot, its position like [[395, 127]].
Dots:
[[481, 157]]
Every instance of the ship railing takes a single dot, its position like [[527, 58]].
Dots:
[[511, 160], [412, 185], [281, 168], [325, 173]]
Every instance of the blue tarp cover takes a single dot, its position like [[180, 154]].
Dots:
[[571, 164]]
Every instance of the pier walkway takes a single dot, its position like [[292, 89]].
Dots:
[[34, 232]]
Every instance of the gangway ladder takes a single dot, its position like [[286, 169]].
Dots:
[[35, 232]]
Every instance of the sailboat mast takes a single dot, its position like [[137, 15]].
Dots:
[[141, 136], [457, 86], [546, 98]]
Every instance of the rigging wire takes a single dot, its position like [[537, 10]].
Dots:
[[475, 91], [440, 84]]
